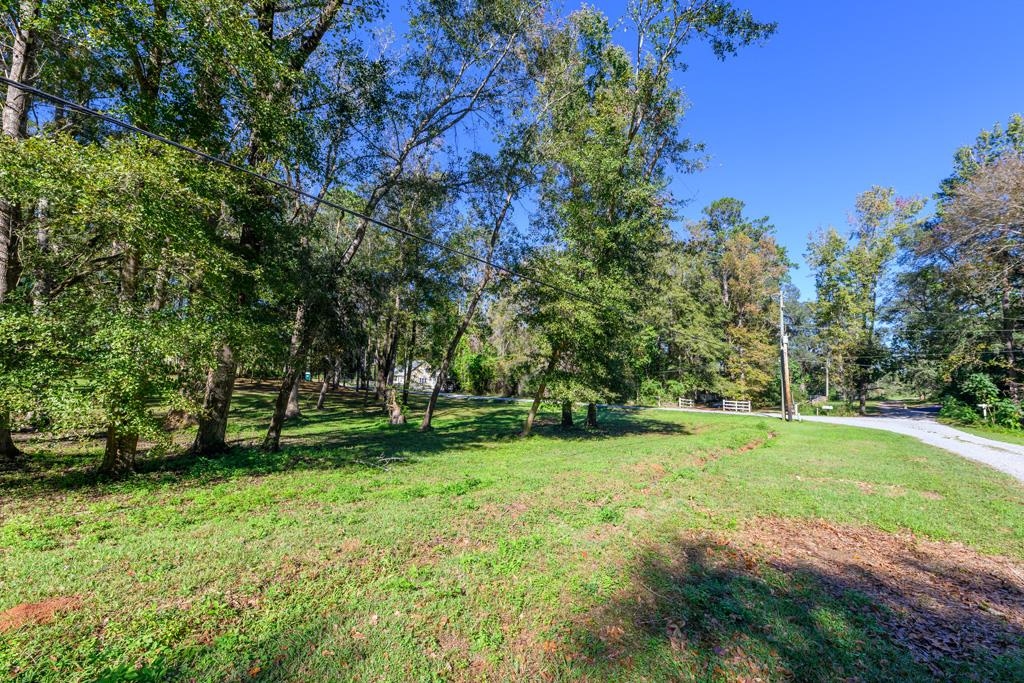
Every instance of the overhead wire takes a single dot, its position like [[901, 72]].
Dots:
[[114, 121]]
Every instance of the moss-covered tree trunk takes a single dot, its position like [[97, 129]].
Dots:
[[119, 456], [213, 420]]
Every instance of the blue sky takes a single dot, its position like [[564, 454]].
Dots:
[[847, 95]]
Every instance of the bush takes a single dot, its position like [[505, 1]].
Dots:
[[1007, 414], [979, 388], [474, 371], [651, 391], [958, 411]]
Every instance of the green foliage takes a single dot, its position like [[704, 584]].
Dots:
[[474, 370], [961, 300], [90, 350], [956, 410], [979, 388], [653, 391], [852, 274], [1007, 414]]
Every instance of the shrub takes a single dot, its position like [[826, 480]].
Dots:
[[474, 371], [1007, 414], [979, 388], [651, 391], [958, 411]]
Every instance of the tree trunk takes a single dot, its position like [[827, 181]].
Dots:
[[328, 375], [395, 414], [119, 456], [592, 415], [442, 374], [449, 354], [386, 362], [380, 375], [14, 123], [10, 455], [213, 420], [272, 441], [566, 414], [293, 410], [407, 379], [532, 415]]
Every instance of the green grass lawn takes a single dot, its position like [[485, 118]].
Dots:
[[367, 552]]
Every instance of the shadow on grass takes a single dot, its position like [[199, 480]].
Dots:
[[351, 432], [701, 609], [708, 610]]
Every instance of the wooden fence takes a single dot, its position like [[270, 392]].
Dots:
[[736, 406], [686, 403]]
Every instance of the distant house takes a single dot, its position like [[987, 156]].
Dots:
[[422, 376]]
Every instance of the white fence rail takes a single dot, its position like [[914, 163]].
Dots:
[[736, 406], [686, 403]]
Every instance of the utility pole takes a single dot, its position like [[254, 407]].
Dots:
[[828, 360], [787, 391]]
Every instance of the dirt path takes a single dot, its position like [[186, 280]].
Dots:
[[920, 423]]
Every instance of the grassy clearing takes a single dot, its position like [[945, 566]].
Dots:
[[365, 552]]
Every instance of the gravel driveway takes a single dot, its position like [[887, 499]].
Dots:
[[921, 425]]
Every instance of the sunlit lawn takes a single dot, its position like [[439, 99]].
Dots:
[[367, 552]]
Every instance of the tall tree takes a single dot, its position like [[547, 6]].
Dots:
[[613, 130], [499, 182], [852, 276], [750, 268], [21, 67]]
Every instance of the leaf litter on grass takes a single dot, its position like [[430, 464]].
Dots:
[[940, 600]]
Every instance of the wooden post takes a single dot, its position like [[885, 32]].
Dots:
[[827, 361], [787, 391]]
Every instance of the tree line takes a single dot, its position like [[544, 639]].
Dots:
[[929, 302], [482, 185]]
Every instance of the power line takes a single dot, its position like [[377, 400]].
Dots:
[[82, 109], [897, 330]]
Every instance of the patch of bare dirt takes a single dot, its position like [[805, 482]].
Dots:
[[652, 469], [757, 443], [713, 455], [941, 599], [36, 613]]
